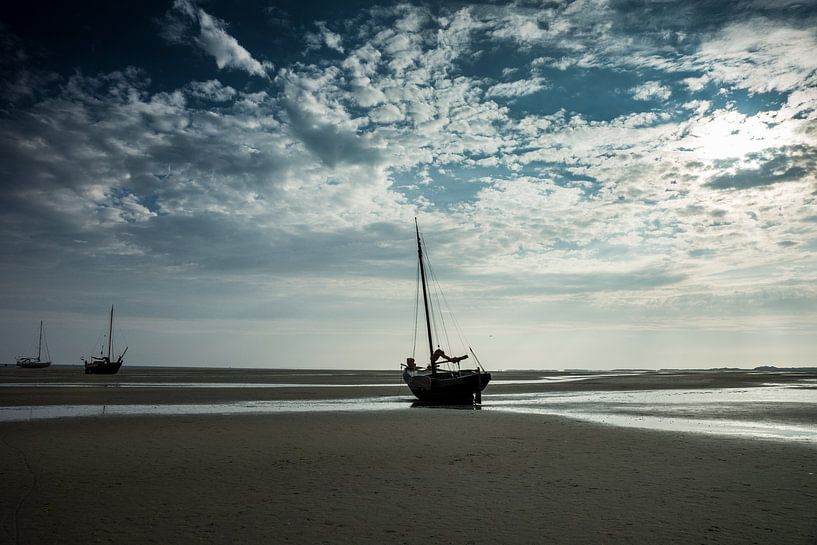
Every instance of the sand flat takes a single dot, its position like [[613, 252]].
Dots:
[[404, 475], [412, 476]]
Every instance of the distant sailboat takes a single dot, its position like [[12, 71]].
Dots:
[[103, 364], [36, 363], [432, 384]]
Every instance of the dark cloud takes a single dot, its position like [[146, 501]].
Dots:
[[786, 164], [332, 144]]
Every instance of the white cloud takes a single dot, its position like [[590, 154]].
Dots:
[[650, 90], [388, 113], [761, 55], [696, 84], [211, 38], [324, 37], [517, 88]]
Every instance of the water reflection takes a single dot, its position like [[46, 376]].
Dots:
[[777, 412], [41, 412], [770, 412], [560, 378]]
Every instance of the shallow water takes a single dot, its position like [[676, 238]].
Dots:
[[114, 383], [43, 412], [766, 412], [774, 411]]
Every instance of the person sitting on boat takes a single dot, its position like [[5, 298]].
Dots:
[[410, 364], [439, 354]]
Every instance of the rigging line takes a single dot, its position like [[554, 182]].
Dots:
[[431, 315], [100, 341], [47, 352], [123, 338], [33, 345], [432, 311], [442, 305], [416, 308], [457, 328], [476, 359]]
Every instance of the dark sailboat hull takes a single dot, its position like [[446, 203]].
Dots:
[[102, 367], [446, 388]]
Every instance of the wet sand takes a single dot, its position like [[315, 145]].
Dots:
[[417, 476], [402, 476]]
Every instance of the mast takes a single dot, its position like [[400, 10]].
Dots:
[[110, 334], [40, 343], [425, 299]]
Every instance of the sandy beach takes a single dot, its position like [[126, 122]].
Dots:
[[404, 476]]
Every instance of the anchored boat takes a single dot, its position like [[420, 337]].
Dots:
[[443, 381], [103, 364], [36, 363]]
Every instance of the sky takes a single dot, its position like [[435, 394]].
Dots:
[[600, 183]]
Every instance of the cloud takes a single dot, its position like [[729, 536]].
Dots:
[[651, 90], [388, 113], [329, 142], [517, 88], [761, 55], [324, 37], [787, 164], [212, 90], [180, 24]]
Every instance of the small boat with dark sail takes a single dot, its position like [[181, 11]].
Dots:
[[443, 381], [104, 364], [27, 362]]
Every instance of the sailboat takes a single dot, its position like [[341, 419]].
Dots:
[[103, 364], [36, 363], [433, 384]]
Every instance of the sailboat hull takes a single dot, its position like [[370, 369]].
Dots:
[[32, 364], [446, 387], [102, 367]]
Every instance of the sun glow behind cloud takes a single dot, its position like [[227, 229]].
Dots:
[[728, 134]]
